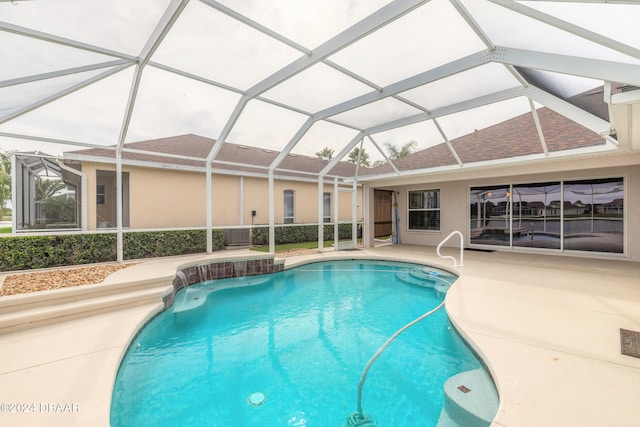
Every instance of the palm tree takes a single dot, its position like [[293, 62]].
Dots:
[[405, 150], [325, 153], [46, 188], [364, 157]]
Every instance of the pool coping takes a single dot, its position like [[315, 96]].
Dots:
[[547, 329]]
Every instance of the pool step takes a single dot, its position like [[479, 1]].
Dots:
[[425, 277], [470, 400], [40, 308]]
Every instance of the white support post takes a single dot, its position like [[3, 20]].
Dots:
[[209, 207], [241, 201], [336, 214], [320, 213], [272, 215], [119, 237], [354, 214]]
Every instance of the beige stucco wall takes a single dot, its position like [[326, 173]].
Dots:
[[454, 189], [163, 198]]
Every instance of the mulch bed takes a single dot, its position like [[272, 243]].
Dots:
[[22, 283]]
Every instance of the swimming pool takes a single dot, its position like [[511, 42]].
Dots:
[[288, 349]]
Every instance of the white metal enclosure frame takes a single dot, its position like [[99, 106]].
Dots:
[[609, 59]]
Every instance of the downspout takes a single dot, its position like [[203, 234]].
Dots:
[[83, 189]]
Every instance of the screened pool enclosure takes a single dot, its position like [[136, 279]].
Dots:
[[302, 78]]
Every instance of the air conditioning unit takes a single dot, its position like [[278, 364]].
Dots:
[[237, 237]]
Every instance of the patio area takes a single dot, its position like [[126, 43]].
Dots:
[[548, 328]]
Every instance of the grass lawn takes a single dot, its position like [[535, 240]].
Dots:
[[291, 246], [5, 230]]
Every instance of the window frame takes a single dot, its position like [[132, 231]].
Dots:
[[101, 194], [289, 219], [326, 210], [427, 210]]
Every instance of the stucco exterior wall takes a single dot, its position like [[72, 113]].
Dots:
[[162, 198], [454, 194]]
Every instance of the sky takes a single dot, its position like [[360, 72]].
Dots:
[[216, 47]]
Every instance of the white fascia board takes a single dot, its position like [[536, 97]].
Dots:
[[570, 111], [51, 140], [631, 97], [598, 69], [198, 169], [492, 164]]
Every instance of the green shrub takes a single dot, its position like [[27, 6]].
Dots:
[[149, 244], [301, 233], [31, 252]]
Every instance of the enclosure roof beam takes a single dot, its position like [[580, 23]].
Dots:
[[169, 18], [364, 27], [569, 27], [27, 32], [61, 73], [598, 69], [480, 101], [570, 111], [62, 93]]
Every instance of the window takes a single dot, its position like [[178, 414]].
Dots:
[[585, 215], [288, 207], [424, 210], [326, 207], [100, 194], [592, 217]]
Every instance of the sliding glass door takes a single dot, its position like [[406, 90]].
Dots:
[[581, 215]]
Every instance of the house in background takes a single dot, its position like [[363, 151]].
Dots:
[[565, 173], [164, 185], [564, 191]]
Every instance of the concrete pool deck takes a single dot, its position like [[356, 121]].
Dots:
[[546, 326]]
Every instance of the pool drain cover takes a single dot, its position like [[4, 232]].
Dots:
[[630, 342], [256, 399]]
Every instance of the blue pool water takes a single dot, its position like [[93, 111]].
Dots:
[[288, 349]]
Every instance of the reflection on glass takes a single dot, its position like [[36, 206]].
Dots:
[[490, 210], [593, 215], [536, 215], [529, 215]]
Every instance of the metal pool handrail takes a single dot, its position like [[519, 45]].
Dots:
[[455, 263], [363, 377]]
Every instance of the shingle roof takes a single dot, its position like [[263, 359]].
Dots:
[[196, 146], [511, 138]]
